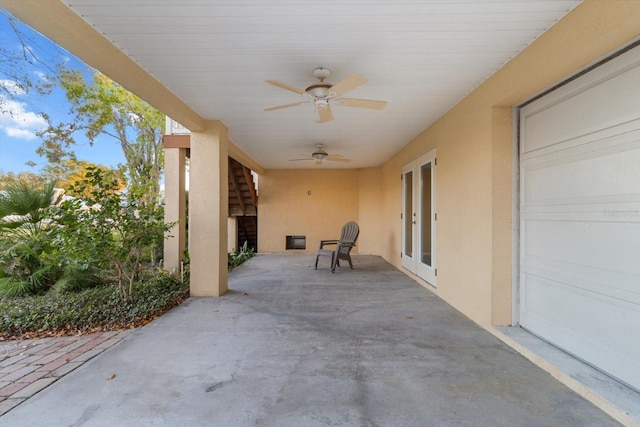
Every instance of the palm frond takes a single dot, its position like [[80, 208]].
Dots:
[[10, 288], [23, 200]]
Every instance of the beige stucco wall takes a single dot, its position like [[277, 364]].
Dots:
[[463, 203], [287, 208], [474, 142], [370, 216]]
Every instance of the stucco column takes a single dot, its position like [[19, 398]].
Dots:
[[232, 232], [174, 206], [208, 210]]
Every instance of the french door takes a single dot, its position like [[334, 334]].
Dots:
[[419, 217]]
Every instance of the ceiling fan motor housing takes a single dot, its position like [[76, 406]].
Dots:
[[319, 154], [321, 73], [318, 90]]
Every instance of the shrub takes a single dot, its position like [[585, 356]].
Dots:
[[234, 259], [95, 309], [112, 233]]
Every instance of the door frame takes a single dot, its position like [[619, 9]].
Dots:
[[413, 263]]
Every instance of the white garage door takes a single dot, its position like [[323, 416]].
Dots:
[[580, 217]]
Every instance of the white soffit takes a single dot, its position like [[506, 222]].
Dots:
[[420, 56]]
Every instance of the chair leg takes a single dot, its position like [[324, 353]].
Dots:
[[317, 256], [334, 261], [349, 259]]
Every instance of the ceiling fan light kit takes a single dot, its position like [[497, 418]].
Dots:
[[320, 155], [318, 90], [323, 94], [322, 103]]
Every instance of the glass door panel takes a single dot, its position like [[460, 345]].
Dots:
[[408, 214], [426, 265], [426, 213], [409, 229]]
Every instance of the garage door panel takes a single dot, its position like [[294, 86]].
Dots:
[[565, 306], [613, 353], [580, 217], [581, 109], [602, 246], [585, 280], [600, 168]]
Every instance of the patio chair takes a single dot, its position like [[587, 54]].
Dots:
[[342, 247]]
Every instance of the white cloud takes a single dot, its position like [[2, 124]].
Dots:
[[41, 75], [12, 87], [20, 133], [17, 122]]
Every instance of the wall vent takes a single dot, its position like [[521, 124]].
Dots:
[[296, 242]]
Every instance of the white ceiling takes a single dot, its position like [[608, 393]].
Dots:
[[421, 56]]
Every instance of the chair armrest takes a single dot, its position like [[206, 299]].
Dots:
[[346, 245], [327, 242]]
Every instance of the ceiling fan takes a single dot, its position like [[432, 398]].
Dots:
[[320, 156], [324, 94]]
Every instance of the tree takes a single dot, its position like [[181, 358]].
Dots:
[[28, 65], [105, 229], [11, 179], [102, 107], [18, 62], [69, 172]]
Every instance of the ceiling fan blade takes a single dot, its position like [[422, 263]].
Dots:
[[324, 113], [286, 86], [361, 103], [337, 158], [279, 107], [352, 81], [298, 160]]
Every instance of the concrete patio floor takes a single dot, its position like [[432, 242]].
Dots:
[[291, 346]]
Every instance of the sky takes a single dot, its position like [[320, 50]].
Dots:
[[19, 114]]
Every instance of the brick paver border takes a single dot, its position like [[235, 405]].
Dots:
[[28, 366]]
